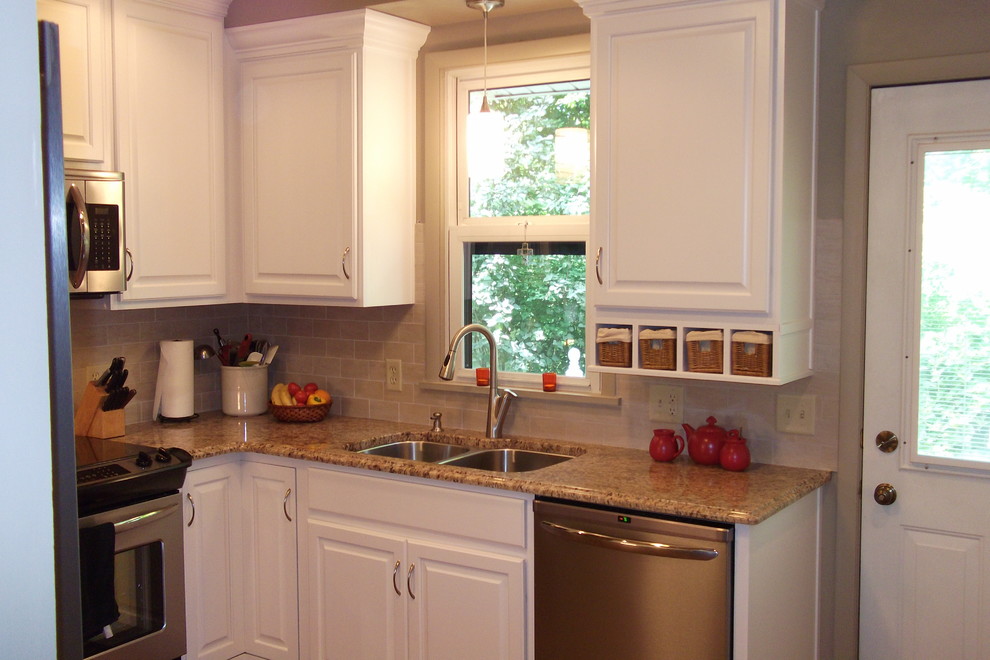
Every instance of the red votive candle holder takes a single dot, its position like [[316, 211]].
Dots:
[[549, 382], [482, 376]]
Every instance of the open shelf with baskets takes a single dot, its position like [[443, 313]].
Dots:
[[737, 353]]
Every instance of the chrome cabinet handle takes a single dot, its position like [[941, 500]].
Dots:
[[343, 262], [193, 505], [143, 519], [80, 216], [129, 257], [631, 545], [285, 501], [598, 263], [412, 567], [395, 571]]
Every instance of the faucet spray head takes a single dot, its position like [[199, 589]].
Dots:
[[447, 368]]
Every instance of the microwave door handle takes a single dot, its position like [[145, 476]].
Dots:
[[78, 204], [630, 545], [130, 260]]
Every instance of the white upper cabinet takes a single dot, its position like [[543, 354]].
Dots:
[[703, 182], [168, 73], [328, 170], [87, 100]]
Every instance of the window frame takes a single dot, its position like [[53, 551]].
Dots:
[[449, 74]]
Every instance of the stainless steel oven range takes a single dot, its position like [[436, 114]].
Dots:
[[130, 549]]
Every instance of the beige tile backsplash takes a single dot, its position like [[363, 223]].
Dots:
[[344, 350]]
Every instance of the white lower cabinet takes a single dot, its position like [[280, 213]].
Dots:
[[381, 567], [240, 560], [393, 569], [212, 542], [271, 614]]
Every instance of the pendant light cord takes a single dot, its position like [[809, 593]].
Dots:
[[484, 98]]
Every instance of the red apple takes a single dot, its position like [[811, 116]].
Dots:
[[301, 396], [311, 387], [293, 388]]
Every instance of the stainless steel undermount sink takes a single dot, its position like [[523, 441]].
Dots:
[[417, 450], [462, 455], [507, 460]]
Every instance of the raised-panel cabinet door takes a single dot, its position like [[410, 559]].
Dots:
[[84, 47], [212, 543], [169, 97], [682, 192], [353, 593], [467, 604], [298, 172], [271, 621]]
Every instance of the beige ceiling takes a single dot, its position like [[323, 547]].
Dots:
[[429, 12]]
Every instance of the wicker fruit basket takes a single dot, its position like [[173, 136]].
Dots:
[[300, 413]]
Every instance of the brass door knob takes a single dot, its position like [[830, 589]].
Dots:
[[884, 494]]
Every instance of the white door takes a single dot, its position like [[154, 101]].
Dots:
[[925, 584]]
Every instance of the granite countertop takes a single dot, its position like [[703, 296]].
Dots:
[[598, 474]]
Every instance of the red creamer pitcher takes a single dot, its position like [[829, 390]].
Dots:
[[665, 446]]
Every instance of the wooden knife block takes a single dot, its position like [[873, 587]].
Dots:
[[90, 420]]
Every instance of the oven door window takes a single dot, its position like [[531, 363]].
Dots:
[[140, 595]]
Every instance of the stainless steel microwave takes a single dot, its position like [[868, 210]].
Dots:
[[94, 210]]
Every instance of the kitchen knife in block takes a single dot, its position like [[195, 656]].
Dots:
[[92, 400]]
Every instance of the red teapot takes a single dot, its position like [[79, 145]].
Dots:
[[705, 444], [665, 446], [735, 454]]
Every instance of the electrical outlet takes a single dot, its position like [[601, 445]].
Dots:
[[95, 372], [796, 413], [666, 404], [393, 375]]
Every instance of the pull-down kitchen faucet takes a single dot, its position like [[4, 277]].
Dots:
[[498, 403]]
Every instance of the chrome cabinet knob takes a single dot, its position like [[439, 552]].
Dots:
[[884, 494]]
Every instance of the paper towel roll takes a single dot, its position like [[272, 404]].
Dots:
[[174, 390]]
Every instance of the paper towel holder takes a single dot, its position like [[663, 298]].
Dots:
[[158, 404]]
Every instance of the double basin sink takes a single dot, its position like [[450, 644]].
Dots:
[[435, 450]]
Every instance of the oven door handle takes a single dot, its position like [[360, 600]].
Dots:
[[143, 519], [631, 545]]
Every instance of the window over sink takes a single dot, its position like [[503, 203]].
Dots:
[[513, 243]]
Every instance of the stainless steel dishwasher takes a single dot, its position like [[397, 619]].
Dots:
[[618, 584]]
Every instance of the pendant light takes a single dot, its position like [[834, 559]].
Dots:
[[572, 156], [485, 129]]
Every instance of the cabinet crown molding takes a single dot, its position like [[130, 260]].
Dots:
[[593, 8], [212, 8], [341, 30]]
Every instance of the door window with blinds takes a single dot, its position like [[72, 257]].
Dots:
[[953, 278]]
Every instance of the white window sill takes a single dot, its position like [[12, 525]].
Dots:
[[585, 398]]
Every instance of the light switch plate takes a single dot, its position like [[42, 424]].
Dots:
[[796, 413]]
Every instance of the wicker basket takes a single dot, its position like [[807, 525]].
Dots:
[[615, 353], [751, 353], [300, 413], [614, 346], [657, 349], [704, 355]]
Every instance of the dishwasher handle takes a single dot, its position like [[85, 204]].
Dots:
[[630, 545]]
